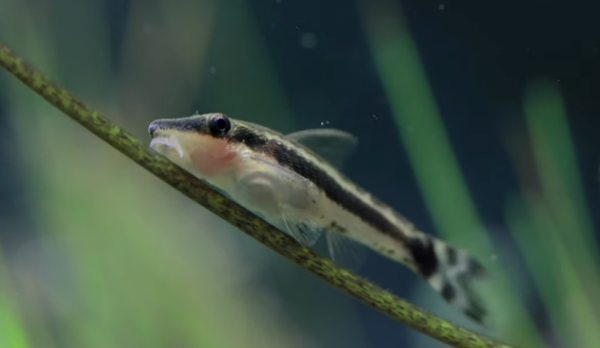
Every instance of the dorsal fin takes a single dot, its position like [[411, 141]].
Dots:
[[333, 145]]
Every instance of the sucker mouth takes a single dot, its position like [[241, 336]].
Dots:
[[166, 142]]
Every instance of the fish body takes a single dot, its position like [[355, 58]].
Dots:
[[294, 182]]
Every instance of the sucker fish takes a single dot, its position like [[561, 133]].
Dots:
[[294, 182]]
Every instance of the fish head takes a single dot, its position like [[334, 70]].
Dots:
[[200, 144]]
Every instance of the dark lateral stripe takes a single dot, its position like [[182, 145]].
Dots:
[[198, 124], [290, 158], [423, 253]]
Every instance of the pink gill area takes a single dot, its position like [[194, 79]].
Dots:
[[213, 157]]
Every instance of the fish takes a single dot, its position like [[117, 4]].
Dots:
[[295, 183]]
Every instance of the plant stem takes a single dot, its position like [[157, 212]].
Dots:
[[241, 218]]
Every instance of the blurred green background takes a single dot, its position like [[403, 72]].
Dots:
[[96, 252]]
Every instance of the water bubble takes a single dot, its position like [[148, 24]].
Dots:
[[309, 40]]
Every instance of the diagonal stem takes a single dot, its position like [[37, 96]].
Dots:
[[241, 218]]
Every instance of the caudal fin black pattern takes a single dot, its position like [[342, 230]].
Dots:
[[451, 272]]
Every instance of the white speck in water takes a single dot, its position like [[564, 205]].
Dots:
[[308, 40], [558, 80], [213, 70], [441, 7], [494, 257], [324, 123], [147, 28], [278, 1]]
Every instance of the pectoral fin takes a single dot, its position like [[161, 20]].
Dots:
[[305, 231]]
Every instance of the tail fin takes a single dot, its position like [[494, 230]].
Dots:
[[451, 272]]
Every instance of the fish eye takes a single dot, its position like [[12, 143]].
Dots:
[[219, 125]]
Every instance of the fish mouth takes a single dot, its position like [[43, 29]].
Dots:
[[165, 144]]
